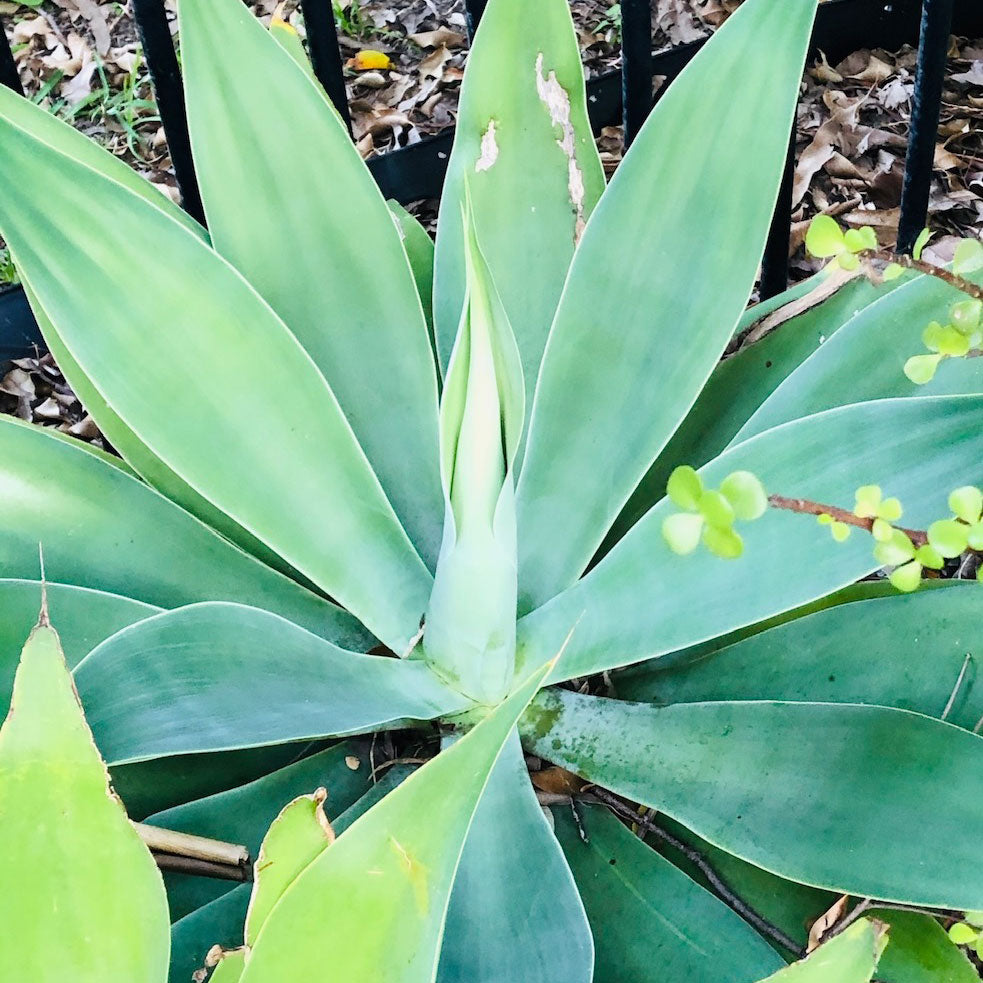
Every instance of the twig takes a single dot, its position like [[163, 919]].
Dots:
[[623, 811], [202, 868], [909, 262], [807, 507], [395, 761], [870, 904], [955, 689], [192, 847]]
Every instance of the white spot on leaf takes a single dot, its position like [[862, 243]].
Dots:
[[489, 150], [557, 102]]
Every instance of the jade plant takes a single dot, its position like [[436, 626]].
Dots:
[[369, 486]]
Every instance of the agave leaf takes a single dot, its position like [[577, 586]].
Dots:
[[198, 311], [295, 210], [285, 34], [470, 623], [644, 912], [144, 462], [920, 951], [62, 137], [217, 923], [849, 798], [297, 837], [105, 530], [89, 617], [865, 360], [523, 146], [511, 854], [637, 332], [740, 384], [412, 854], [624, 610], [221, 921], [82, 899], [230, 967], [244, 814], [904, 651], [420, 252], [213, 663], [850, 957]]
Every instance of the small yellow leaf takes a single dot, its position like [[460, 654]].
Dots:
[[353, 763], [369, 60]]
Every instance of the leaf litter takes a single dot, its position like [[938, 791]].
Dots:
[[81, 59]]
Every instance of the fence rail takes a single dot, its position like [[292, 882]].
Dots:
[[417, 171]]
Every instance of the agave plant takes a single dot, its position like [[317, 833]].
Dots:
[[341, 508]]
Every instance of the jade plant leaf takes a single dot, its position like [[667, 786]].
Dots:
[[905, 651], [412, 853], [363, 557], [294, 209], [642, 600], [850, 957], [511, 855], [630, 330], [96, 908], [211, 663], [741, 383], [523, 146], [857, 808], [103, 529], [646, 913]]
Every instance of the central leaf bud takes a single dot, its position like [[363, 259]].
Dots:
[[469, 636]]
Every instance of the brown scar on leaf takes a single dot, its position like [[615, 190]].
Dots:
[[417, 874], [320, 796], [44, 619], [489, 149], [556, 99]]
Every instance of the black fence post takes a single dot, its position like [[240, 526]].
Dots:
[[933, 52], [774, 263], [158, 49], [636, 65], [8, 68], [322, 42], [474, 9]]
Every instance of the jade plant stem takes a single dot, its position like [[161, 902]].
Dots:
[[909, 262], [806, 507]]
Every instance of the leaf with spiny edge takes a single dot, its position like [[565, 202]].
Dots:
[[84, 900]]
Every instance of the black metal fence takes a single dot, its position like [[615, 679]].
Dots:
[[417, 171]]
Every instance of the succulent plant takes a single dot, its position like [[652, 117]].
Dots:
[[337, 511]]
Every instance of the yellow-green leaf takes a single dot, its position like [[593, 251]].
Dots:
[[81, 897]]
